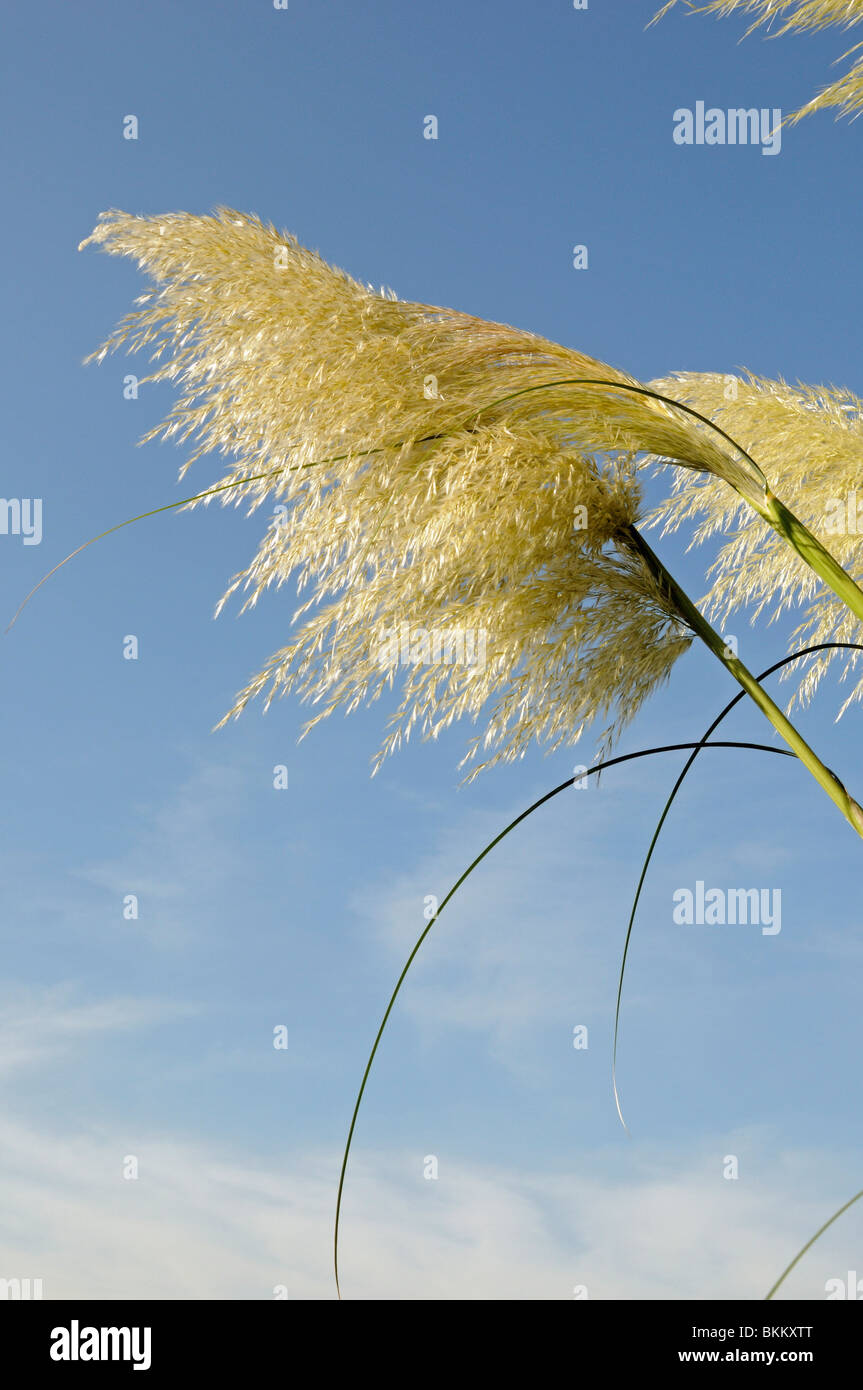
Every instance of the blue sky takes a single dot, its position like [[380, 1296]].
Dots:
[[261, 908]]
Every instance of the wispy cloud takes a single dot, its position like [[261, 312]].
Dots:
[[197, 1223], [182, 857], [520, 942], [39, 1024]]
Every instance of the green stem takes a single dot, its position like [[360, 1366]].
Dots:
[[694, 619], [810, 549], [591, 771], [808, 1246]]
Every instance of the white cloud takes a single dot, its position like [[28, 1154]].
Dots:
[[222, 1221], [198, 1223]]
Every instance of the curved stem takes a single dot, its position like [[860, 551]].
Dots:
[[702, 743], [608, 762], [810, 1243], [768, 506], [640, 391]]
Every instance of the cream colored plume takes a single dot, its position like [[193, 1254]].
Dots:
[[423, 474]]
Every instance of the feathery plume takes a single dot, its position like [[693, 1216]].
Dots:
[[844, 94], [435, 473], [809, 441], [434, 488]]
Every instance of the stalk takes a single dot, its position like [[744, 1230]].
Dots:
[[810, 549], [695, 620]]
